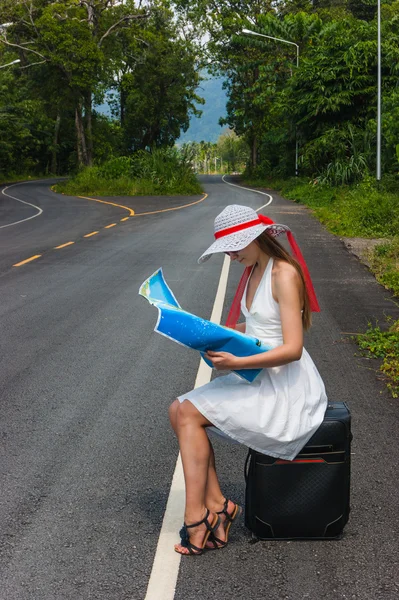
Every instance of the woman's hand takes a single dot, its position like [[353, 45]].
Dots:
[[223, 361]]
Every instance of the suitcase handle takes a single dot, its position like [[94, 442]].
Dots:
[[316, 449]]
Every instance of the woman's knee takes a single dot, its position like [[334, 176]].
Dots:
[[187, 413], [173, 408]]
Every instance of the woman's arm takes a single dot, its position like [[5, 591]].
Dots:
[[240, 327], [288, 293]]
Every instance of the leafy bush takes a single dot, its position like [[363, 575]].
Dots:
[[385, 264], [344, 171], [89, 181], [121, 166], [347, 150], [384, 345], [161, 172]]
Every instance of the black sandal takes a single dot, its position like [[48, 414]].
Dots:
[[230, 518], [185, 538]]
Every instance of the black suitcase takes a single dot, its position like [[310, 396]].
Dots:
[[307, 498]]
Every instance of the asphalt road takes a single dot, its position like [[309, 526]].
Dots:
[[87, 455]]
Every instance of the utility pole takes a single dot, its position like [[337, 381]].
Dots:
[[379, 91], [270, 37]]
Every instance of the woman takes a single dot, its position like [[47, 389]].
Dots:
[[280, 410]]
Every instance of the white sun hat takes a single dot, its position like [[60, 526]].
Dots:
[[236, 227]]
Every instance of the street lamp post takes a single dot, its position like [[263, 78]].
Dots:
[[14, 62], [270, 37], [379, 91], [221, 162]]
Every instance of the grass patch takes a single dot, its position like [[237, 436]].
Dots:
[[361, 210], [384, 262], [383, 345], [159, 173]]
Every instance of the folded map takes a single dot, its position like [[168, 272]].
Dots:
[[196, 333]]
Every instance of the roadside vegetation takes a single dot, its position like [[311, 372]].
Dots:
[[384, 346], [230, 154], [13, 178], [161, 172], [61, 60]]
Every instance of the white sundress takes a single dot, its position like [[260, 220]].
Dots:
[[281, 409]]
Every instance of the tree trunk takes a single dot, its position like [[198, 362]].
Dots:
[[80, 136], [55, 144], [89, 127], [122, 105], [254, 152]]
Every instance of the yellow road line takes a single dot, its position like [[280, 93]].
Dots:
[[132, 213], [23, 262], [63, 245], [154, 212], [111, 203]]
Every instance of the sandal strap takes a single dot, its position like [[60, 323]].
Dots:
[[193, 549], [185, 539], [204, 520], [217, 542], [185, 542], [224, 511]]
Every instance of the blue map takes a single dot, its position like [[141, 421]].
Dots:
[[196, 333]]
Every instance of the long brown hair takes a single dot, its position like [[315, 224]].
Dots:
[[270, 246]]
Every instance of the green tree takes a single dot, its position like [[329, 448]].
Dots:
[[25, 130], [156, 90], [233, 151], [72, 41]]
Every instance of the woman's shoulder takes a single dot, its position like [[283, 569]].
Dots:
[[284, 270], [285, 279]]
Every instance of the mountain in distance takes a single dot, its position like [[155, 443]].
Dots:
[[206, 128]]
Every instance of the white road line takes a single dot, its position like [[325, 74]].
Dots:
[[165, 569], [250, 190], [23, 202]]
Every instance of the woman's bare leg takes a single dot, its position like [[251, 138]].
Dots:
[[214, 498], [195, 453]]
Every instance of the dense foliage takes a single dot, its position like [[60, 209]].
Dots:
[[324, 97], [228, 155], [70, 53], [314, 90]]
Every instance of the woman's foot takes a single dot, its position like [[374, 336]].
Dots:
[[195, 536], [227, 516]]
